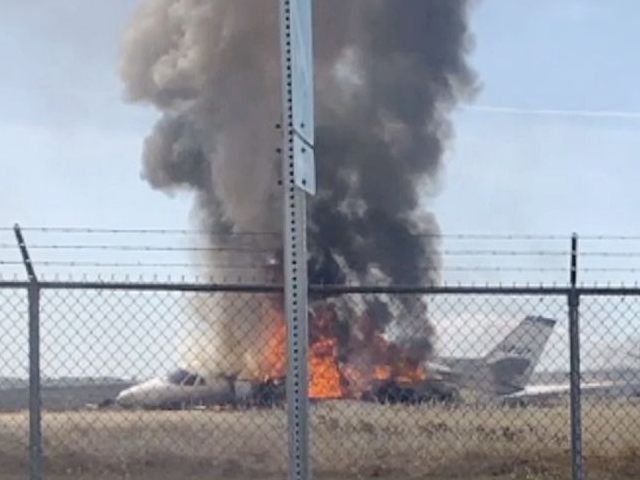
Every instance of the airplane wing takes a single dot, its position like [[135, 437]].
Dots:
[[439, 368], [549, 391]]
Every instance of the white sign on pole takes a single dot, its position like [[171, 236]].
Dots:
[[302, 94]]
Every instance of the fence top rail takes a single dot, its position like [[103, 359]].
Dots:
[[13, 284], [608, 291], [162, 286], [275, 288], [436, 289], [328, 289]]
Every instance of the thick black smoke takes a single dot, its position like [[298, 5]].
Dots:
[[387, 74], [396, 71]]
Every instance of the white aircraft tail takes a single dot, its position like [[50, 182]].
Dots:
[[513, 360]]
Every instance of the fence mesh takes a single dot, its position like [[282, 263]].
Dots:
[[611, 382], [466, 418], [197, 356], [14, 373], [443, 385]]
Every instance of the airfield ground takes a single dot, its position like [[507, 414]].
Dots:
[[350, 440]]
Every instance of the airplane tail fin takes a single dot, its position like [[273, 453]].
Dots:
[[513, 360]]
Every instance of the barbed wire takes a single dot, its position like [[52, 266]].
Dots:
[[499, 269], [250, 252], [610, 254], [241, 248], [610, 269], [214, 266], [161, 231], [527, 253], [460, 235], [251, 249], [610, 237], [140, 248]]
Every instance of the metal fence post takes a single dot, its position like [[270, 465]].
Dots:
[[35, 401], [574, 352]]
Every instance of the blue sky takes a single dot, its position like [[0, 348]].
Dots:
[[71, 147], [532, 173], [549, 145], [535, 153]]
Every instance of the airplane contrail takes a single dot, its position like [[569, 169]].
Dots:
[[546, 112]]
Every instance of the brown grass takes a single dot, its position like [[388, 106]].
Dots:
[[350, 440]]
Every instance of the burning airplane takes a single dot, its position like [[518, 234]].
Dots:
[[387, 76], [504, 372]]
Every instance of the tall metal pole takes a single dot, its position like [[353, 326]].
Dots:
[[35, 401], [574, 352], [298, 179]]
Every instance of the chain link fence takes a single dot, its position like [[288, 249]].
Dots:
[[168, 381], [458, 423], [610, 343], [208, 352], [14, 374]]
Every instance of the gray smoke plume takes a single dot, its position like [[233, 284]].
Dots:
[[212, 69], [387, 75]]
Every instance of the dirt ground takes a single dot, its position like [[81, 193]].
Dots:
[[349, 441], [161, 476]]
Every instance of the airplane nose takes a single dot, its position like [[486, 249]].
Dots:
[[124, 398]]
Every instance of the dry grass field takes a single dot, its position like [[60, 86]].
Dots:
[[350, 440]]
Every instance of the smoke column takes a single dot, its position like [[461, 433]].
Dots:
[[387, 75]]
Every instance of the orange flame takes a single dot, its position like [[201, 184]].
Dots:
[[324, 374], [330, 378], [382, 372]]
